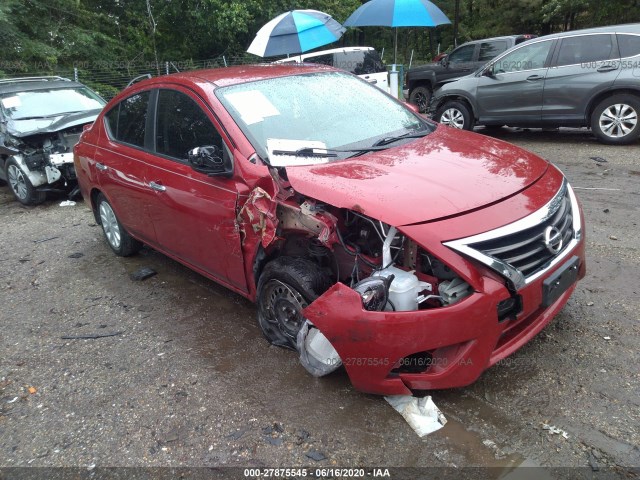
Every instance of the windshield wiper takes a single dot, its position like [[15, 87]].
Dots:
[[389, 140], [308, 152], [42, 117]]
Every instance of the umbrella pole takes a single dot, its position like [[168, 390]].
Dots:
[[395, 52]]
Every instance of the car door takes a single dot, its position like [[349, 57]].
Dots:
[[119, 164], [458, 63], [194, 215], [510, 90], [583, 66]]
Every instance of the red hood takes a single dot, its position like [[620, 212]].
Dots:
[[446, 173]]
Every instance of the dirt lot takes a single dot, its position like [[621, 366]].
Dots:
[[188, 379]]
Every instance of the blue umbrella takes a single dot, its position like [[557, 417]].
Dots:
[[295, 32], [397, 13]]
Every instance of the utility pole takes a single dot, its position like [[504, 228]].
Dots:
[[456, 20]]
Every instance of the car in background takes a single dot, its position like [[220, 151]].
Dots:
[[584, 78], [41, 119], [413, 254], [420, 82], [362, 61]]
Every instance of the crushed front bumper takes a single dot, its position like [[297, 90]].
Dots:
[[458, 342]]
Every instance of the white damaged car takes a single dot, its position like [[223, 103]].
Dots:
[[41, 119]]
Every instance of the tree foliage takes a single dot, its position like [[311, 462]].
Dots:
[[42, 35]]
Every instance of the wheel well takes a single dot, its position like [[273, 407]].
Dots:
[[93, 196], [419, 83], [609, 93]]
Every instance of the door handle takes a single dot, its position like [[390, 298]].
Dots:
[[607, 68], [534, 78], [374, 81], [157, 187], [101, 167]]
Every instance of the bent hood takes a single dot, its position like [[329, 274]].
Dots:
[[446, 173], [25, 128]]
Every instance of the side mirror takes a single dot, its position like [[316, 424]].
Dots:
[[209, 160], [445, 61], [488, 71]]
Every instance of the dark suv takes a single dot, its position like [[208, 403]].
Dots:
[[41, 119], [421, 81], [584, 78]]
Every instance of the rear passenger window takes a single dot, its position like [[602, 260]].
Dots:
[[126, 121], [585, 49], [321, 59], [182, 126], [489, 50], [629, 45]]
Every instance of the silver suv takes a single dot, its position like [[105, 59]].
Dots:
[[584, 78]]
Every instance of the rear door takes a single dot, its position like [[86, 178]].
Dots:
[[194, 215], [119, 164], [583, 66], [511, 91]]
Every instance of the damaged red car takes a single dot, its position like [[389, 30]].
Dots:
[[412, 254]]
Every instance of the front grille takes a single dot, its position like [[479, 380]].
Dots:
[[526, 250]]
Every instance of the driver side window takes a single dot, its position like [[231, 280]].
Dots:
[[529, 57], [462, 54], [182, 126]]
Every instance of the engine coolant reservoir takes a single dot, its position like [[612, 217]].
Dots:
[[404, 289]]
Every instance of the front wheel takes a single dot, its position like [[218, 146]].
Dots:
[[21, 186], [117, 237], [287, 286], [455, 114], [615, 120], [420, 97]]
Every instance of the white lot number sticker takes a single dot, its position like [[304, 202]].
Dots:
[[252, 105], [11, 102]]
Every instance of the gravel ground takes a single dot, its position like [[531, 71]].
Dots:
[[187, 380]]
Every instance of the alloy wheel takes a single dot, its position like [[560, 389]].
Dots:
[[452, 117], [17, 181], [110, 225], [618, 120]]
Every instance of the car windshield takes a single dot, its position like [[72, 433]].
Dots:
[[328, 110], [49, 103]]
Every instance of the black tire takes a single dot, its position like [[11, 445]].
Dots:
[[421, 97], [456, 114], [117, 237], [286, 286], [20, 184], [616, 120]]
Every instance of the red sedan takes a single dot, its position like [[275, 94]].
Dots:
[[412, 254]]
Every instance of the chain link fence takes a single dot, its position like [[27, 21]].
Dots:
[[110, 77]]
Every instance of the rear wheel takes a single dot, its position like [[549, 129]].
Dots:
[[455, 114], [287, 286], [615, 120], [420, 97], [21, 186], [117, 237]]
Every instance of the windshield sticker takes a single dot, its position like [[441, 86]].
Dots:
[[252, 105], [11, 102], [290, 153]]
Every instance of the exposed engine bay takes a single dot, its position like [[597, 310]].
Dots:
[[47, 158], [389, 271]]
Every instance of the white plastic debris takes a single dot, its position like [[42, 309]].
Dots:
[[317, 355], [555, 430], [420, 413], [67, 203]]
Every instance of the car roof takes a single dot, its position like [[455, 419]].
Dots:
[[503, 37], [226, 76], [28, 84], [624, 28]]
